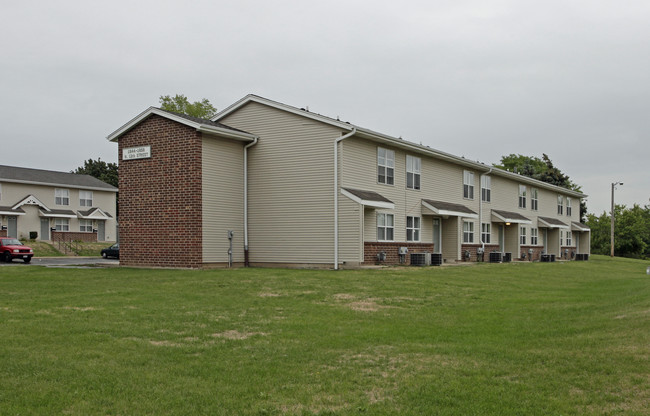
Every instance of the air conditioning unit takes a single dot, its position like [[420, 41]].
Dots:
[[420, 259], [436, 259]]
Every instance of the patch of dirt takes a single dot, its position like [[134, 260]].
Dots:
[[236, 335], [79, 308]]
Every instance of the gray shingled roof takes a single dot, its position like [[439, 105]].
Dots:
[[8, 209], [28, 175], [580, 225], [91, 210], [552, 221], [510, 215], [368, 195], [448, 206], [203, 121]]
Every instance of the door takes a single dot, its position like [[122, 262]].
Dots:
[[45, 229], [502, 247], [101, 230], [12, 227], [437, 236]]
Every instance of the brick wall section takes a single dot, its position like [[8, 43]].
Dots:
[[392, 251], [160, 197], [3, 233], [69, 236], [572, 249], [472, 248], [537, 252]]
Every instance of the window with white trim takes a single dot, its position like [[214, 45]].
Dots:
[[534, 236], [62, 224], [86, 198], [533, 199], [385, 227], [485, 232], [413, 170], [560, 205], [568, 238], [413, 228], [86, 226], [385, 166], [468, 184], [61, 196], [522, 235], [486, 188], [568, 206], [468, 232], [522, 196]]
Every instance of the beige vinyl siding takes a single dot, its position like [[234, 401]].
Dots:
[[452, 229], [291, 183], [350, 232], [223, 199]]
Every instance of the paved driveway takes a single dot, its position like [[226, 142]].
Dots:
[[64, 262]]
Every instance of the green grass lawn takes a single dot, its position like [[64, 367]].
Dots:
[[513, 339]]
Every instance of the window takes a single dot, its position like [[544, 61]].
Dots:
[[413, 167], [385, 227], [533, 236], [86, 198], [560, 205], [62, 224], [522, 235], [485, 232], [61, 196], [468, 184], [412, 228], [522, 196], [385, 166], [86, 226], [468, 232], [486, 189], [568, 238], [568, 206], [533, 199]]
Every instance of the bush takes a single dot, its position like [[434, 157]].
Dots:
[[33, 235]]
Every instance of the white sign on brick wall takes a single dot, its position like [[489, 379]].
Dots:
[[141, 152]]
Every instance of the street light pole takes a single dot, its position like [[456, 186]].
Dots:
[[612, 219]]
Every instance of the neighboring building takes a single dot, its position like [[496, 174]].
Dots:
[[56, 206], [301, 189]]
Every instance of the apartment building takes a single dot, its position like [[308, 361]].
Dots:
[[264, 183], [56, 206]]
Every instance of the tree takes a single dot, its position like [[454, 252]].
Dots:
[[180, 104], [106, 172], [631, 232], [542, 170]]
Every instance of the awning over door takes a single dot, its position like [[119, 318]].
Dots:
[[58, 213], [546, 222], [368, 198], [447, 209], [11, 212], [509, 217], [578, 226], [94, 214]]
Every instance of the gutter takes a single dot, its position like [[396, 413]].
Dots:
[[336, 195], [253, 143]]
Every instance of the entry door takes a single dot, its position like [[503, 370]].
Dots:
[[12, 227], [45, 229], [101, 230], [502, 247], [437, 236]]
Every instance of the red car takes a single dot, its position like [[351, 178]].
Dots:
[[11, 248]]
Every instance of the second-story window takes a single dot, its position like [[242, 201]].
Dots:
[[468, 184], [522, 196], [560, 205], [86, 198], [385, 166], [413, 168], [568, 207], [61, 196], [486, 188], [533, 199]]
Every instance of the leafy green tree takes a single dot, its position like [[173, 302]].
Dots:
[[542, 170], [180, 104], [631, 232], [106, 172]]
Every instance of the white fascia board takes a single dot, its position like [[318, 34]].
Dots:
[[444, 212], [364, 202], [227, 133], [575, 227], [97, 214], [63, 185], [31, 200], [52, 215], [500, 218], [545, 224], [11, 213]]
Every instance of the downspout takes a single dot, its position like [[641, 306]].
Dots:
[[246, 199], [480, 209], [336, 195]]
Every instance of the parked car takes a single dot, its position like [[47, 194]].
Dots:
[[112, 251], [12, 248]]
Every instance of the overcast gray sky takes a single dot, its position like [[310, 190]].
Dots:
[[478, 79]]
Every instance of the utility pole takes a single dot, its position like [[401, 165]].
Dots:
[[612, 219]]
